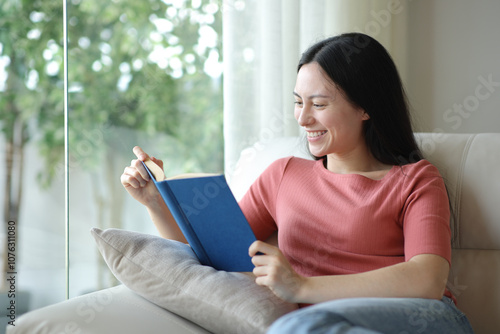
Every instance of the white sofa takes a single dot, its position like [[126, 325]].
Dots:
[[470, 165]]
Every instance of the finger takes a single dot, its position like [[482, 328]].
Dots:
[[262, 247], [140, 154], [134, 174], [262, 260], [129, 181], [263, 281], [140, 171], [261, 270]]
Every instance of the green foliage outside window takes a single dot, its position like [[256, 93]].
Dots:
[[148, 66]]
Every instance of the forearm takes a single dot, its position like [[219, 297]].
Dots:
[[164, 221], [411, 279]]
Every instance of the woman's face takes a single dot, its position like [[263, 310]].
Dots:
[[332, 123]]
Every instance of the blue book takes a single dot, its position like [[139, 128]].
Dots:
[[209, 217]]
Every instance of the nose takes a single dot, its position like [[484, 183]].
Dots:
[[303, 116]]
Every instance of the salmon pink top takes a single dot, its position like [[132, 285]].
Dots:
[[334, 224]]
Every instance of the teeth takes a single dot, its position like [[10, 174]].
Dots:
[[315, 134]]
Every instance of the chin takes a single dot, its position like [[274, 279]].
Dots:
[[317, 153]]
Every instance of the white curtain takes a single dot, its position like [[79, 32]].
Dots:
[[263, 41]]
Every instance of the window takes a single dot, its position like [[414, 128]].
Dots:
[[144, 73]]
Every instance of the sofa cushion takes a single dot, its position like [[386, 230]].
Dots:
[[167, 273], [108, 311]]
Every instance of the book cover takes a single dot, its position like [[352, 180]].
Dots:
[[209, 217]]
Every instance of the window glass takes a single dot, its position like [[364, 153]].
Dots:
[[31, 147], [144, 73]]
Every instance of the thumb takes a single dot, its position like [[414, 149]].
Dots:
[[140, 154]]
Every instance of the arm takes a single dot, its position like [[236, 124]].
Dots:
[[164, 221], [135, 179], [423, 276]]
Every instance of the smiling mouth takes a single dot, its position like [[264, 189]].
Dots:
[[314, 134]]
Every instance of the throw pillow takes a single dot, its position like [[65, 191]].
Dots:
[[167, 273]]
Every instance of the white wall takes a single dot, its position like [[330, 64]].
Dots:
[[454, 52]]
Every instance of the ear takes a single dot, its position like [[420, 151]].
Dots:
[[364, 115]]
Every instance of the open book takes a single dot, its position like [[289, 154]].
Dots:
[[209, 217]]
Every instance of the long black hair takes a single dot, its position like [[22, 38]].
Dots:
[[365, 72]]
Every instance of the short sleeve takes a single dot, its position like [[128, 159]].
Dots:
[[259, 202], [426, 212]]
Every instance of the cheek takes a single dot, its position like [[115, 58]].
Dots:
[[341, 121], [296, 113], [330, 121]]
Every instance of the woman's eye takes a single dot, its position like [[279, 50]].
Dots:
[[319, 105], [298, 103]]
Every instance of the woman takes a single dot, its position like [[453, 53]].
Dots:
[[363, 231]]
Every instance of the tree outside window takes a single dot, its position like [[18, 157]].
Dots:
[[140, 73]]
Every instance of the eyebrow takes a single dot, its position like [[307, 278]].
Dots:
[[313, 96]]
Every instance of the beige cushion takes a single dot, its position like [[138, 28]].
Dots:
[[470, 165], [168, 274]]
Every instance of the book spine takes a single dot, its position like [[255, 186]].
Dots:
[[181, 219]]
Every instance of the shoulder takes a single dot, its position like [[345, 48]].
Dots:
[[422, 175], [422, 168], [290, 163], [288, 167]]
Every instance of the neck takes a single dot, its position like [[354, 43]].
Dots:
[[358, 161]]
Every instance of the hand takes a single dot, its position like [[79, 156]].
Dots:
[[135, 179], [273, 270]]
